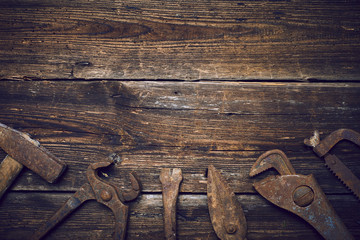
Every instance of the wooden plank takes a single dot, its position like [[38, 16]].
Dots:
[[95, 221], [297, 40], [151, 125]]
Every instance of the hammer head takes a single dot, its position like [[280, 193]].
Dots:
[[28, 152]]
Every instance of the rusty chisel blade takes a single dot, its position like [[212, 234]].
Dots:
[[227, 216], [170, 180]]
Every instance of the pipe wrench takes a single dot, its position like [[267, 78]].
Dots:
[[104, 193], [322, 148], [298, 194]]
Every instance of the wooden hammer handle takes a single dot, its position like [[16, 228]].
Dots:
[[9, 169]]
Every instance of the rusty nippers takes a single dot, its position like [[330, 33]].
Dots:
[[298, 194], [103, 192]]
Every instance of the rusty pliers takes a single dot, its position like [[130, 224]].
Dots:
[[298, 194], [103, 192]]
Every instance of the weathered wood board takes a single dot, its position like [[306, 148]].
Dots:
[[155, 124], [173, 124], [188, 40]]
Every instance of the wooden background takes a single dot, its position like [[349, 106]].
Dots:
[[177, 84]]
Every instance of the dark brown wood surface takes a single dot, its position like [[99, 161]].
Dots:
[[150, 125], [183, 84], [188, 40]]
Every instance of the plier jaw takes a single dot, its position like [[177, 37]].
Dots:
[[226, 214], [104, 191]]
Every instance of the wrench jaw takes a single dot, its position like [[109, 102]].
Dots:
[[272, 159], [275, 159]]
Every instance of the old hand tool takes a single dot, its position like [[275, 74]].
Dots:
[[170, 180], [226, 214], [322, 148], [298, 194], [22, 150], [104, 193]]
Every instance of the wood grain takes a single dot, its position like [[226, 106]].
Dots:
[[153, 125], [95, 221], [221, 40]]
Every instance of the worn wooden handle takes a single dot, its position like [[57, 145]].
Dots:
[[9, 169]]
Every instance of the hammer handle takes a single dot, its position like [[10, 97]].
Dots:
[[9, 169]]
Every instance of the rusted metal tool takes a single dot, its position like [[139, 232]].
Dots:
[[298, 194], [170, 180], [227, 216], [104, 193], [22, 150], [322, 148]]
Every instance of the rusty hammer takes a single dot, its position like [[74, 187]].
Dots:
[[22, 150]]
